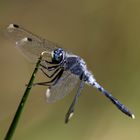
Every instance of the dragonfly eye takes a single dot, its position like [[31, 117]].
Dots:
[[57, 55]]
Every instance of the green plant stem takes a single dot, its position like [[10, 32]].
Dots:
[[22, 103]]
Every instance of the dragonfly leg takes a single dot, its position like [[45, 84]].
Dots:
[[51, 68], [71, 108], [50, 76], [50, 62], [53, 81], [59, 76]]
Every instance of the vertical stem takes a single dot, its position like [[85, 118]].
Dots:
[[22, 103]]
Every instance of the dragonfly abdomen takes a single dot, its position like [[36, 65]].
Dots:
[[115, 101]]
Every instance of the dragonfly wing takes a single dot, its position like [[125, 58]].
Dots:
[[64, 86], [31, 48], [28, 43]]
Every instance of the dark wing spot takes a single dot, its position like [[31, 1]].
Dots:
[[15, 25], [29, 39]]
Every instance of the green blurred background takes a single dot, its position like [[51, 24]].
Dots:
[[106, 34]]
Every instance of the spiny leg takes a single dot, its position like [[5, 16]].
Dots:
[[115, 101], [59, 76], [50, 76], [51, 68], [50, 62], [50, 83], [71, 108]]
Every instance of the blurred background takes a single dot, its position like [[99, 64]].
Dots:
[[106, 34]]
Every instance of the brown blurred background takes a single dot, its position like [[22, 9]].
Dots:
[[106, 34]]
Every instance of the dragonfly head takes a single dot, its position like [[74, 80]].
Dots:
[[57, 55]]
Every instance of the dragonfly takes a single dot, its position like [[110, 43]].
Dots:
[[63, 68]]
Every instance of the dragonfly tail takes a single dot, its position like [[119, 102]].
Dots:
[[115, 101]]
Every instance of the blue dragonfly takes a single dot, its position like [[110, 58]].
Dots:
[[63, 68]]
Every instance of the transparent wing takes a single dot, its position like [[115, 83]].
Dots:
[[64, 86], [28, 43]]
